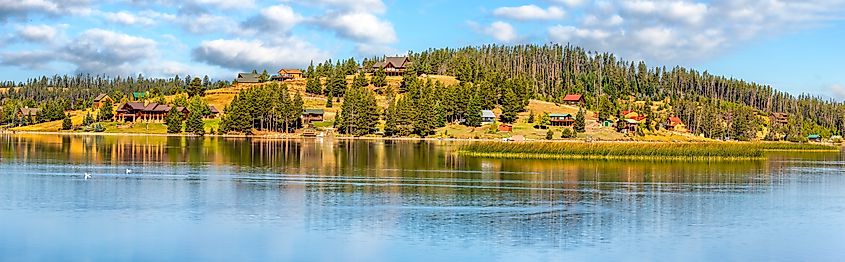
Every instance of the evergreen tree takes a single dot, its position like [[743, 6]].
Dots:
[[511, 106], [360, 80], [545, 120], [550, 134], [195, 88], [237, 118], [106, 111], [580, 125], [399, 118], [531, 117], [380, 78], [194, 124], [66, 123], [473, 113], [359, 113], [88, 119], [264, 76], [312, 84], [329, 99], [173, 121]]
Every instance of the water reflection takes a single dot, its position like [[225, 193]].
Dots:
[[401, 199]]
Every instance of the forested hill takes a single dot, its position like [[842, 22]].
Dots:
[[698, 97]]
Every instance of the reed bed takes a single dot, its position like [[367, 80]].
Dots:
[[622, 151], [782, 146]]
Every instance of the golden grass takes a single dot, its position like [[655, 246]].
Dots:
[[616, 150]]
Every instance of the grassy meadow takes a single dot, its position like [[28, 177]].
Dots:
[[616, 150]]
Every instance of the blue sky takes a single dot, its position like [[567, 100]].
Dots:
[[793, 45]]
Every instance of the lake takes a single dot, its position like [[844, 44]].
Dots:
[[154, 198]]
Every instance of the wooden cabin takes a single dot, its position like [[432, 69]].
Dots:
[[137, 111], [561, 119], [214, 112], [393, 66], [246, 78], [289, 74], [100, 100], [627, 125], [574, 100], [26, 112], [312, 115], [675, 124]]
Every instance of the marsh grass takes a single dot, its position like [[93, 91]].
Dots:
[[614, 150], [783, 146]]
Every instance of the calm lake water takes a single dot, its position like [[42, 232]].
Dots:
[[309, 200]]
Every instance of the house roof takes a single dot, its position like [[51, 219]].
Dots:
[[100, 97], [632, 121], [814, 136], [572, 98], [138, 95], [487, 113], [673, 121], [247, 78], [290, 71], [396, 61], [313, 112], [560, 115], [29, 111], [213, 109], [133, 106]]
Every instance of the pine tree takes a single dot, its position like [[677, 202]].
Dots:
[[511, 107], [550, 134], [545, 120], [473, 113], [580, 125], [195, 88], [360, 80], [380, 78], [88, 119], [312, 85], [66, 123], [531, 117], [329, 99], [264, 76], [173, 121], [194, 124], [106, 111], [359, 113]]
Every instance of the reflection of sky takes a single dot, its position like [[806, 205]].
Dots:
[[425, 205]]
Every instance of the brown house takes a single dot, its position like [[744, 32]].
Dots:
[[561, 119], [627, 125], [675, 124], [286, 74], [137, 111], [101, 99], [31, 113], [214, 112], [574, 100], [393, 66], [779, 118], [505, 128], [312, 115]]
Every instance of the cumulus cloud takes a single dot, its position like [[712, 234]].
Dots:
[[359, 26], [38, 33], [680, 30], [369, 6], [127, 18], [243, 55], [276, 19], [530, 12], [98, 50], [838, 91], [500, 31], [27, 59], [24, 8], [570, 3]]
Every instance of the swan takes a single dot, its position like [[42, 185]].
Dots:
[[129, 171], [87, 176]]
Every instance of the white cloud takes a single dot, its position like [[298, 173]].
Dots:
[[368, 6], [103, 51], [38, 33], [530, 12], [500, 31], [24, 8], [838, 91], [571, 3], [237, 54], [127, 18], [274, 19], [359, 26], [684, 30]]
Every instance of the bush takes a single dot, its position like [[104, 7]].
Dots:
[[550, 134], [98, 128], [568, 133]]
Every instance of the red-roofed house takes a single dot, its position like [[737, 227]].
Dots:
[[574, 100], [675, 124]]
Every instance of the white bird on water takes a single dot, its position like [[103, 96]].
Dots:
[[129, 171], [87, 176]]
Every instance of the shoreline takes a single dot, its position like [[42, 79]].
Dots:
[[833, 147]]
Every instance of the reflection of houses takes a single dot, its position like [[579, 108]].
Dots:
[[288, 74], [393, 66], [574, 100], [26, 112], [561, 119], [246, 78], [675, 124], [487, 117], [101, 99], [779, 118], [312, 115], [627, 125]]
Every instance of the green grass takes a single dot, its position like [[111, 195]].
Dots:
[[613, 150]]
